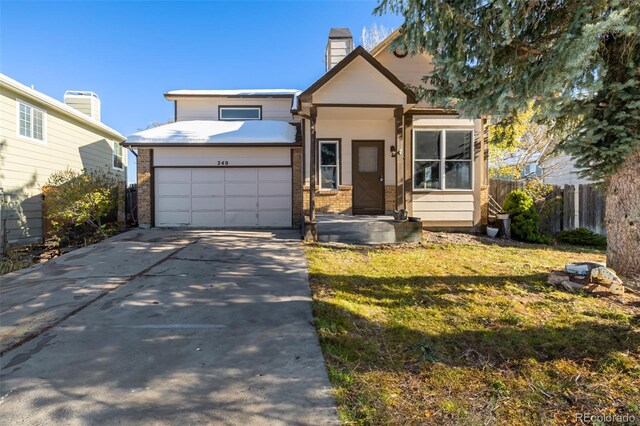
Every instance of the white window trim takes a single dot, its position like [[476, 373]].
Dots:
[[44, 122], [113, 157], [239, 107], [335, 142], [442, 160]]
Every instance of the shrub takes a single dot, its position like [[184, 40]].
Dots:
[[81, 203], [525, 223], [582, 237]]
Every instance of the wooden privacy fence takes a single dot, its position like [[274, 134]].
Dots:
[[565, 207]]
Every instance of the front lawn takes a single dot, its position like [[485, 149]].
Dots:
[[469, 333]]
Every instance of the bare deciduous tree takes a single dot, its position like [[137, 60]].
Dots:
[[373, 35]]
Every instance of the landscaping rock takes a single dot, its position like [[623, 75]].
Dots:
[[582, 268], [607, 277]]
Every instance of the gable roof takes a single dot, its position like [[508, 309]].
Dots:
[[357, 52], [52, 103], [385, 43]]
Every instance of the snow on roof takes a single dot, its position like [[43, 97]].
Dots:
[[60, 106], [240, 92], [295, 102], [216, 132]]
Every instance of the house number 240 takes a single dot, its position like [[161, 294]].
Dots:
[[223, 163]]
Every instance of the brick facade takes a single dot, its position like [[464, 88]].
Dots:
[[145, 164], [389, 198], [331, 201], [341, 201], [296, 207]]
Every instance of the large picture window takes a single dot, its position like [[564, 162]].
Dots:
[[442, 159], [31, 122], [329, 164], [240, 113]]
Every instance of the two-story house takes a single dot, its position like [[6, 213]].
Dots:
[[355, 142], [40, 135]]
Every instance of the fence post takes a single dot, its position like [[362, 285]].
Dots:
[[122, 222]]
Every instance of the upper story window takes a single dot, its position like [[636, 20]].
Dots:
[[118, 156], [442, 159], [329, 164], [31, 122], [240, 113]]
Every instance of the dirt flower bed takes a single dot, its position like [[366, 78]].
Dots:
[[458, 330]]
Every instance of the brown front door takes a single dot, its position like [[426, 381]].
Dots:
[[368, 177]]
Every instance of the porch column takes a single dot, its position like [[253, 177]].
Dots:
[[312, 166], [400, 152], [408, 166]]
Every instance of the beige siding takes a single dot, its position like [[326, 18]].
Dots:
[[359, 83], [409, 69], [234, 157], [207, 108], [25, 165], [443, 207], [348, 131]]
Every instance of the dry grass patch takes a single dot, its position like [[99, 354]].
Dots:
[[469, 333]]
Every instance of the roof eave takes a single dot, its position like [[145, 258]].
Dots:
[[210, 144], [70, 112], [305, 96]]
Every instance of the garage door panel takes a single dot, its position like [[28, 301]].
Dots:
[[274, 218], [278, 174], [241, 218], [241, 203], [223, 197], [172, 204], [241, 175], [207, 189], [173, 189], [274, 188], [241, 189], [274, 203], [173, 218], [207, 175], [207, 218], [173, 175], [207, 204]]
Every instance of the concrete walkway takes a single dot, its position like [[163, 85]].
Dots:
[[164, 327]]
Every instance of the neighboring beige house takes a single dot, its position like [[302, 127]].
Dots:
[[40, 135], [357, 136]]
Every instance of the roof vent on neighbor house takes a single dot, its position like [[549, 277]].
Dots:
[[340, 44], [85, 102]]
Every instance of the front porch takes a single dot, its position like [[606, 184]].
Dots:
[[348, 229]]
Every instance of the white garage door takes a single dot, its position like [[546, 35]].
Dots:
[[219, 197]]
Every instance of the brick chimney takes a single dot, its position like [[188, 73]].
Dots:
[[339, 45]]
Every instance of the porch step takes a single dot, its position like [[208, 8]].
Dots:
[[367, 230]]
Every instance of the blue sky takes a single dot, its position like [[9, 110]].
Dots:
[[131, 52]]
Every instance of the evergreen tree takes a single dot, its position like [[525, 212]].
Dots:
[[577, 60]]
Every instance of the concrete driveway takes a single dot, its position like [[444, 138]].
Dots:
[[164, 327]]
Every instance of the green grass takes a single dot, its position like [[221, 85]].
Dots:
[[470, 334]]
